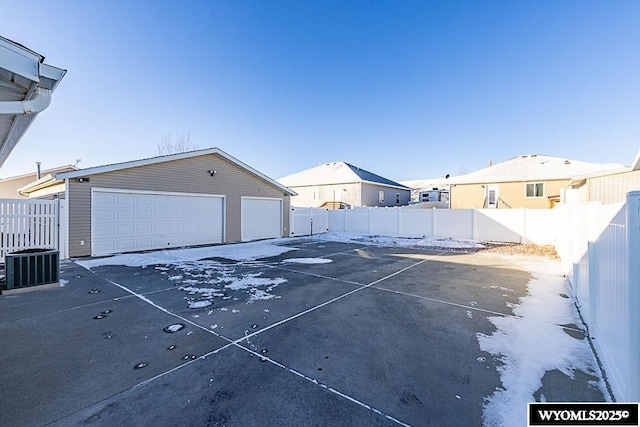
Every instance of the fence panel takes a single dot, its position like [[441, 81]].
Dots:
[[308, 221], [453, 223], [384, 221], [416, 222], [357, 220], [28, 224], [500, 225]]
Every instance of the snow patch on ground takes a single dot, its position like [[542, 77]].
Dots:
[[401, 242], [237, 252], [206, 280], [533, 343], [308, 260], [63, 282], [200, 304]]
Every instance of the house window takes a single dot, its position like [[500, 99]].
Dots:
[[534, 189], [318, 193], [380, 196], [397, 198]]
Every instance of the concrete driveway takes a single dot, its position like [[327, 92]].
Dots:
[[377, 336]]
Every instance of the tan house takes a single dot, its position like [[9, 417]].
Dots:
[[10, 187], [194, 198], [340, 184], [527, 181], [609, 186]]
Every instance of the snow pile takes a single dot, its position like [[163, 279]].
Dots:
[[533, 343], [207, 280], [401, 242], [308, 260], [237, 252]]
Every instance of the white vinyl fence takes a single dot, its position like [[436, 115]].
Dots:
[[600, 247], [501, 225], [308, 221], [28, 224]]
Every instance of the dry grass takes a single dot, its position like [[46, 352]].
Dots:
[[522, 250]]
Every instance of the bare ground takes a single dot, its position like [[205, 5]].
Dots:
[[523, 250]]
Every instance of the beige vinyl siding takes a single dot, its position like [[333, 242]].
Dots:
[[613, 188], [9, 189], [371, 195], [181, 176], [511, 194]]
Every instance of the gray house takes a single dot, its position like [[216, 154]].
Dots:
[[193, 198], [340, 184]]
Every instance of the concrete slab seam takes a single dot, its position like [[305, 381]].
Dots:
[[468, 307], [325, 386]]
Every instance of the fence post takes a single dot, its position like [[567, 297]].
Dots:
[[433, 222], [474, 224], [524, 238], [633, 302]]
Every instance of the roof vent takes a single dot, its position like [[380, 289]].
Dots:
[[567, 162]]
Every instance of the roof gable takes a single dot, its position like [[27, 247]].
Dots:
[[532, 167], [162, 159], [334, 174]]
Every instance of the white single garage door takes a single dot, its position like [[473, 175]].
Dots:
[[126, 221], [261, 218]]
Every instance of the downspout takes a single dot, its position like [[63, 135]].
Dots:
[[37, 104]]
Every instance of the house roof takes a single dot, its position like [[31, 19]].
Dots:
[[161, 159], [532, 167], [26, 84], [336, 173], [427, 184], [635, 166], [44, 172]]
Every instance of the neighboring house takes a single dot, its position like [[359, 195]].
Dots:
[[193, 198], [527, 181], [26, 84], [10, 187], [429, 190], [339, 185], [606, 187]]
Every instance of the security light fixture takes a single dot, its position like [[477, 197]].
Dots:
[[83, 179], [211, 172]]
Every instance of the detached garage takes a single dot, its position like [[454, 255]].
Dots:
[[195, 198]]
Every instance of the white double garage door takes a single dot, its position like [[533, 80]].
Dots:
[[128, 221]]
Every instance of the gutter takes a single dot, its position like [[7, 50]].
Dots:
[[37, 104]]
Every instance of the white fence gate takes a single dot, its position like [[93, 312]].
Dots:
[[28, 224], [308, 221]]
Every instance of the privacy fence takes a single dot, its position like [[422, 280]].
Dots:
[[599, 246], [600, 249], [27, 224]]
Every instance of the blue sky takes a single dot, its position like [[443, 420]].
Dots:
[[405, 89]]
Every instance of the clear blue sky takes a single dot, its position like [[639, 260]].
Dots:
[[405, 89]]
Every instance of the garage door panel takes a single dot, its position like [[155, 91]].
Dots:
[[261, 218], [125, 230], [139, 221], [124, 200], [144, 214], [143, 200]]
